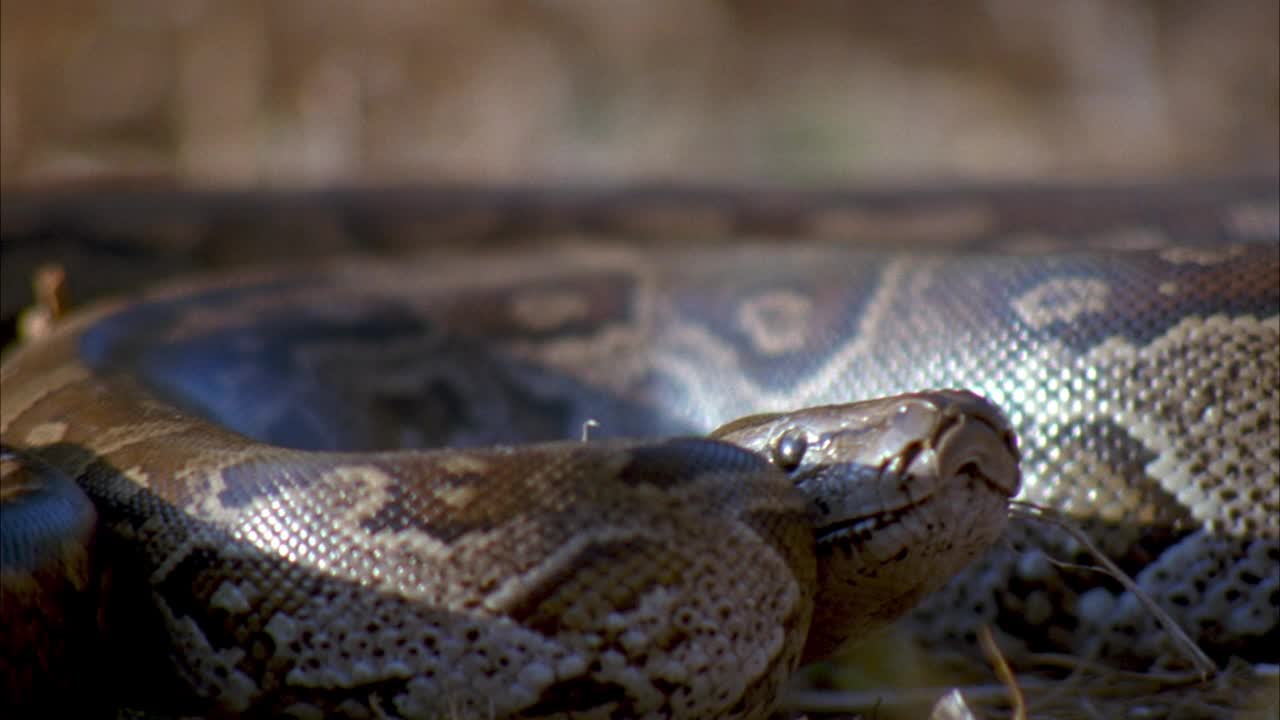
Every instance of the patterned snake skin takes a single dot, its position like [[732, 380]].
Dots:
[[1140, 375]]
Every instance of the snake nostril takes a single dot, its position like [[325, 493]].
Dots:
[[908, 455]]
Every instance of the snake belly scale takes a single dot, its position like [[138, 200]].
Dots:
[[230, 435]]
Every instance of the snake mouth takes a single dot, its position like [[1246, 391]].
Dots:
[[866, 525]]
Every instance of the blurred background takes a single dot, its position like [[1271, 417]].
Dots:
[[305, 93]]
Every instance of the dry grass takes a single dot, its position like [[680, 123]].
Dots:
[[1085, 692], [893, 679]]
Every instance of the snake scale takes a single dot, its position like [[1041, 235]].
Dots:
[[268, 550]]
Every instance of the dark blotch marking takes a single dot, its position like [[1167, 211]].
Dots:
[[404, 510], [681, 460], [250, 481], [579, 695]]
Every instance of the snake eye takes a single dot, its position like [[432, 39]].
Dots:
[[789, 450]]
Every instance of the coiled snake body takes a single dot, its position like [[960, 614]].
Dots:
[[652, 578]]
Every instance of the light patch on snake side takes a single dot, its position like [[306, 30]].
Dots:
[[691, 353], [283, 629], [614, 358], [236, 598], [47, 433], [1061, 299], [1204, 256], [1255, 221], [461, 463], [138, 476], [212, 672], [459, 497], [365, 486], [544, 311], [119, 437], [14, 483], [776, 322], [564, 565]]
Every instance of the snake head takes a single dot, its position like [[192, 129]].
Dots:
[[902, 492]]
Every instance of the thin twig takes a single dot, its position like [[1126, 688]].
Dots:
[[1003, 672], [1203, 664], [1076, 664]]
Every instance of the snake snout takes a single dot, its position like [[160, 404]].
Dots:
[[927, 438], [972, 438]]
